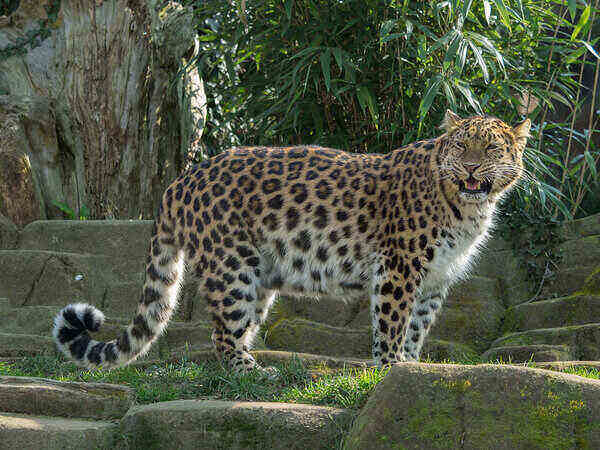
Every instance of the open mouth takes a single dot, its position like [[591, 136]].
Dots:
[[473, 186]]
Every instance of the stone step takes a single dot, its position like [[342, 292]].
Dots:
[[117, 238], [580, 252], [21, 431], [524, 353], [9, 234], [213, 424], [427, 406], [27, 331], [31, 277], [565, 365], [39, 396], [565, 282], [304, 336], [584, 340], [337, 312], [560, 312], [471, 315], [587, 226], [515, 286], [16, 345]]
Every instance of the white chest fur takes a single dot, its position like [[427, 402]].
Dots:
[[455, 252]]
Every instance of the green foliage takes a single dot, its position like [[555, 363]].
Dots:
[[372, 75], [7, 7], [33, 37], [84, 211]]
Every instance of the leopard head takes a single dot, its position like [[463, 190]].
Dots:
[[480, 158]]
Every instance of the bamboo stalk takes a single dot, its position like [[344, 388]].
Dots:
[[580, 190]]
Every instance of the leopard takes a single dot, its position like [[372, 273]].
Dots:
[[251, 223]]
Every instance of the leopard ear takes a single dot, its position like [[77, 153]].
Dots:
[[521, 131], [450, 122]]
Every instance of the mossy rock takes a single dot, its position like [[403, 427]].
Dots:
[[24, 431], [299, 335], [39, 396], [116, 238], [337, 312], [31, 278], [473, 407], [526, 353], [568, 281], [9, 235], [440, 350], [560, 312], [212, 424], [515, 286], [584, 251], [583, 339], [16, 345], [586, 226], [591, 285], [472, 314]]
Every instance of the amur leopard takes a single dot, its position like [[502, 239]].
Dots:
[[252, 222]]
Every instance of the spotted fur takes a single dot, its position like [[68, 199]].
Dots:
[[254, 221]]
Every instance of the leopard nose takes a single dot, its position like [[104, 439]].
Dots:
[[471, 167]]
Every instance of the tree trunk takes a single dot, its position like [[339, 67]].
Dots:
[[105, 106]]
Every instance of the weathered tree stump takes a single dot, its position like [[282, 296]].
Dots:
[[101, 100]]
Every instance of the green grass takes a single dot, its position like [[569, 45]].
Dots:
[[345, 388], [586, 372], [348, 388]]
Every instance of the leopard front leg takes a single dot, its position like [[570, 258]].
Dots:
[[421, 320], [391, 307]]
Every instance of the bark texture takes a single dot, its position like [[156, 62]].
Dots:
[[103, 106]]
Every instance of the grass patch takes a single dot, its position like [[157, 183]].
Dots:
[[586, 372], [346, 388]]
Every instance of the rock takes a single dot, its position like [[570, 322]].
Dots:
[[21, 431], [299, 335], [587, 226], [565, 365], [117, 238], [591, 285], [583, 339], [560, 312], [303, 336], [9, 235], [526, 353], [443, 351], [580, 252], [25, 345], [515, 287], [269, 357], [566, 282], [37, 320], [185, 335], [39, 396], [30, 278], [472, 314], [186, 424], [420, 406], [362, 319], [328, 310]]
